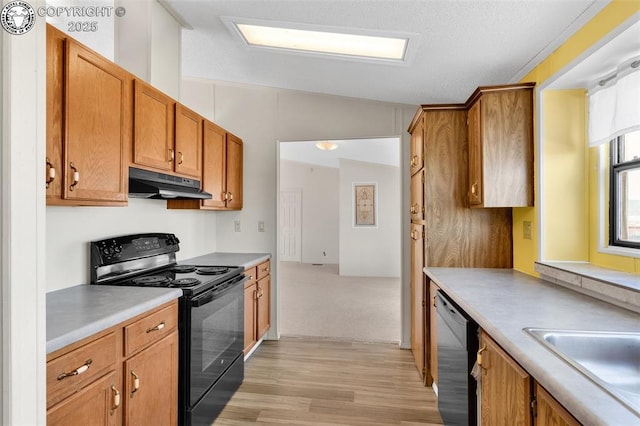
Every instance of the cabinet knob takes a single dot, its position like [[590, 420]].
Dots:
[[76, 177], [52, 172]]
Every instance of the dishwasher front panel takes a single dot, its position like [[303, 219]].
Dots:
[[456, 354]]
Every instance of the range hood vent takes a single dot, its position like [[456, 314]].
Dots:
[[148, 184]]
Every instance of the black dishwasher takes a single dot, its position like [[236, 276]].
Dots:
[[457, 348]]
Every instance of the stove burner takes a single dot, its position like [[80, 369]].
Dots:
[[185, 282], [212, 270], [183, 269], [151, 280]]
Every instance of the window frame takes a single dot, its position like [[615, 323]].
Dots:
[[616, 166]]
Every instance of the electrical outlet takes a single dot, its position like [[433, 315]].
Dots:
[[261, 226], [236, 225], [526, 229]]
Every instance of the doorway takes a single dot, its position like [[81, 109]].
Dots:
[[339, 239]]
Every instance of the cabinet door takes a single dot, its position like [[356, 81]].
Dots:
[[151, 384], [417, 196], [433, 332], [98, 127], [417, 147], [550, 412], [153, 128], [250, 294], [417, 297], [97, 404], [475, 154], [214, 171], [264, 312], [506, 387], [55, 92], [188, 142], [234, 172]]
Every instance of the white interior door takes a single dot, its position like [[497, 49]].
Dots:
[[291, 225]]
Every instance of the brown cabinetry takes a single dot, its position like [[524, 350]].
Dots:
[[188, 142], [89, 119], [127, 374], [454, 235], [257, 311], [432, 358], [221, 171], [549, 412], [500, 127]]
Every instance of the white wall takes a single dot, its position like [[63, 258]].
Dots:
[[70, 229], [262, 116], [370, 251], [320, 208]]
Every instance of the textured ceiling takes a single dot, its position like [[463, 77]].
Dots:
[[461, 44]]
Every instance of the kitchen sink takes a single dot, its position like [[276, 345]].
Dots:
[[610, 359]]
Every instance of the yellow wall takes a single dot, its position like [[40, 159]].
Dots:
[[525, 251]]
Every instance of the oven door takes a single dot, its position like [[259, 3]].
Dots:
[[217, 335]]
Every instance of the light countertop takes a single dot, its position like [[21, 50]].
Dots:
[[503, 302], [228, 259], [77, 312]]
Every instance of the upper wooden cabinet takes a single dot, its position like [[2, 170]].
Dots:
[[221, 171], [188, 142], [500, 131], [153, 128], [417, 144], [417, 197], [89, 101], [167, 135]]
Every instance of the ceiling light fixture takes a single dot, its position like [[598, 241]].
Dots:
[[346, 43], [326, 146]]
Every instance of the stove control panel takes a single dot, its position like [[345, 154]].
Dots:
[[130, 247]]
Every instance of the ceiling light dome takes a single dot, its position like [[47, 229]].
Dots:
[[326, 146]]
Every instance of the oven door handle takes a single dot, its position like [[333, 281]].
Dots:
[[209, 296]]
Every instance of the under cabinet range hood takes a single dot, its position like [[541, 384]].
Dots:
[[148, 184]]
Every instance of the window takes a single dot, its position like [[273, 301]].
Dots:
[[624, 207]]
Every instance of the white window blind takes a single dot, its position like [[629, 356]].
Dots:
[[614, 103]]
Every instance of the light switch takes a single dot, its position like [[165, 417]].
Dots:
[[261, 226], [236, 225], [526, 229]]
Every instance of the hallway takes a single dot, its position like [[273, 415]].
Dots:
[[306, 381]]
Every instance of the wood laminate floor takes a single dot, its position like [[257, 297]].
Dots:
[[310, 381]]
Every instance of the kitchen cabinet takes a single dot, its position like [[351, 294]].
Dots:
[[507, 392], [167, 135], [500, 131], [221, 171], [506, 387], [89, 125], [257, 312], [453, 235], [549, 412], [127, 374], [432, 358], [153, 128], [417, 299], [417, 147]]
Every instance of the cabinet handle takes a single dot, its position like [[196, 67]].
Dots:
[[181, 158], [479, 356], [156, 328], [255, 295], [52, 172], [171, 155], [414, 160], [84, 367], [136, 383], [435, 304], [76, 177], [230, 196], [414, 208], [474, 188], [116, 398], [250, 277]]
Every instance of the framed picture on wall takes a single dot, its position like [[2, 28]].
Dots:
[[365, 197]]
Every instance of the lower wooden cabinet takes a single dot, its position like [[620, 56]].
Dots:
[[508, 396], [432, 358], [418, 319], [97, 381], [257, 301]]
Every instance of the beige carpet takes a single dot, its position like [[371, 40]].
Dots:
[[316, 301]]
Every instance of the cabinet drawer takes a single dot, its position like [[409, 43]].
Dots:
[[264, 269], [252, 276], [73, 371], [149, 329]]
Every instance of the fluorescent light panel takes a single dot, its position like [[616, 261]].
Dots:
[[364, 46]]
